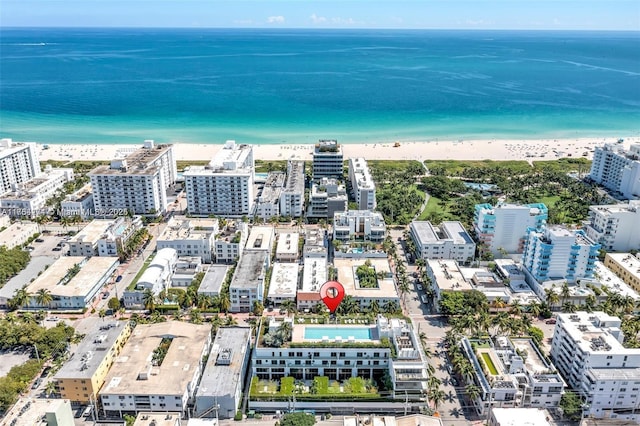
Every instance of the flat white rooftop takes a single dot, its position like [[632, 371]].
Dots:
[[284, 281], [521, 416], [92, 232], [448, 276], [90, 273], [347, 277], [287, 243], [260, 238]]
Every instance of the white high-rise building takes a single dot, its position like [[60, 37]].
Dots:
[[328, 160], [587, 349], [505, 225], [18, 163], [616, 227], [225, 186], [559, 253], [137, 183], [617, 169], [362, 186], [292, 196]]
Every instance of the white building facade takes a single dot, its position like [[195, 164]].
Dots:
[[225, 186], [362, 225], [29, 199], [505, 225], [292, 195], [190, 237], [617, 169], [448, 241], [18, 163], [615, 227], [328, 160], [362, 186]]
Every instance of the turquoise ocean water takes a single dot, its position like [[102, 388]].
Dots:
[[298, 86]]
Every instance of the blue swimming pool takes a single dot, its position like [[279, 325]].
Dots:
[[317, 333]]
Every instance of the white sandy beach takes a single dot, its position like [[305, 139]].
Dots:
[[498, 150]]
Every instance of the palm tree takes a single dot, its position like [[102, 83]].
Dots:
[[516, 307], [349, 305], [433, 383], [50, 388], [149, 300], [551, 297], [102, 313], [225, 303], [568, 307], [590, 303], [289, 306], [498, 303], [535, 309], [437, 396], [285, 330], [20, 298], [565, 292], [44, 297], [472, 391], [374, 307], [391, 307]]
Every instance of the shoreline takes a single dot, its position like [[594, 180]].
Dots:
[[483, 149]]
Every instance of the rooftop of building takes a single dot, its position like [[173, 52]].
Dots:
[[608, 279], [8, 146], [427, 233], [314, 274], [54, 278], [272, 188], [260, 238], [632, 206], [521, 416], [158, 419], [81, 194], [284, 280], [375, 420], [91, 351], [295, 177], [288, 243], [346, 269], [534, 209], [188, 229], [138, 162], [32, 411], [623, 374], [335, 333], [133, 372], [250, 271], [213, 279], [628, 261], [448, 276], [594, 332], [327, 147], [93, 231], [534, 362], [15, 230], [223, 373], [32, 188]]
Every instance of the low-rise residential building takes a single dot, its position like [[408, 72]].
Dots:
[[292, 195], [82, 376], [247, 284], [327, 197], [79, 203], [587, 349], [230, 242], [362, 186], [186, 270], [17, 234], [314, 243], [30, 411], [158, 369], [104, 237], [287, 247], [225, 186], [284, 283], [29, 199], [135, 184], [72, 282], [221, 386], [520, 417], [261, 238], [615, 226], [448, 241], [157, 276], [314, 275], [328, 160], [559, 253], [213, 279], [359, 225], [383, 291], [268, 202], [511, 372], [190, 237], [626, 266], [504, 227]]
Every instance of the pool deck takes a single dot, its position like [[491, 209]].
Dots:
[[297, 334]]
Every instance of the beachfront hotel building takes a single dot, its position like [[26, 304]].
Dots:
[[617, 169], [363, 188], [190, 237], [29, 199], [292, 195], [141, 381], [220, 388], [104, 237], [336, 358], [247, 283], [558, 253], [587, 350], [505, 225], [626, 266], [135, 184], [448, 241], [327, 197], [328, 160], [511, 372], [615, 226], [224, 187], [359, 225], [73, 282], [18, 164], [82, 376]]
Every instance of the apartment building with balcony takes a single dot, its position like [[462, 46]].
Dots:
[[79, 203], [511, 372], [82, 376], [359, 225], [230, 242], [247, 283], [328, 160], [137, 183], [268, 203], [559, 253], [363, 188], [190, 237], [104, 237], [587, 350], [292, 195], [158, 369], [224, 187], [448, 241], [18, 164], [504, 227], [615, 226], [626, 266], [327, 197], [617, 169]]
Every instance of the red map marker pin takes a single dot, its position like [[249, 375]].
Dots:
[[332, 293]]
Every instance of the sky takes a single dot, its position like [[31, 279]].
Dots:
[[396, 14]]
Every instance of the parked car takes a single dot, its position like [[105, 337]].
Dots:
[[56, 249], [37, 383], [39, 240], [105, 295], [119, 278], [550, 321]]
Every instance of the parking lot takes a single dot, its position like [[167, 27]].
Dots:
[[50, 245]]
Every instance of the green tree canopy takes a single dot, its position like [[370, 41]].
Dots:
[[298, 419]]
